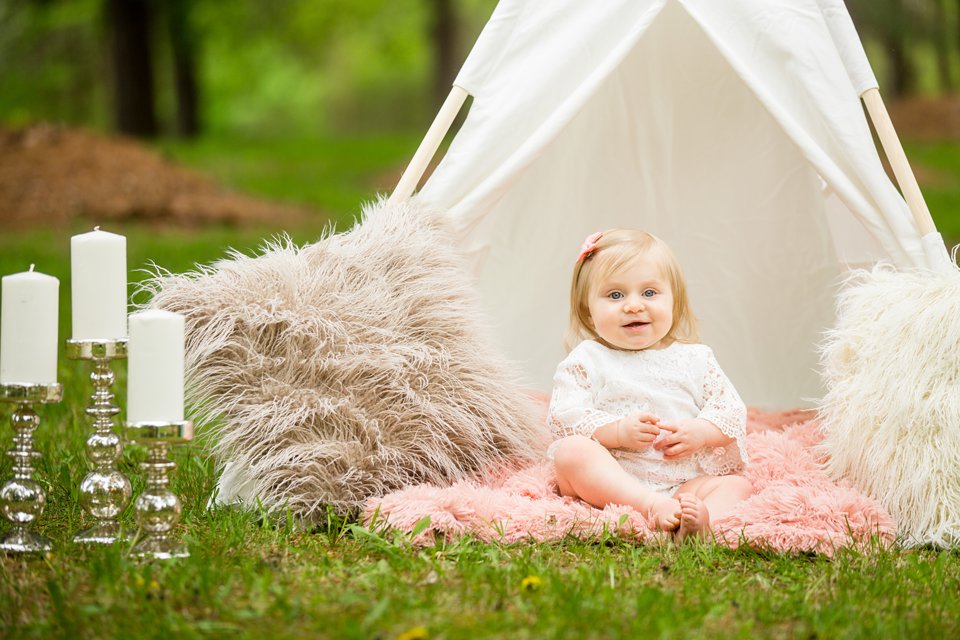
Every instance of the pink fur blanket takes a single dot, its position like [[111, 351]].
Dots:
[[795, 507]]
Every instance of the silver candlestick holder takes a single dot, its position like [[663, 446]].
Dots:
[[157, 508], [104, 492], [22, 498]]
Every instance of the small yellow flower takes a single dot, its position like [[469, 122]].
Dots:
[[154, 586], [414, 633], [48, 556], [531, 583], [139, 581]]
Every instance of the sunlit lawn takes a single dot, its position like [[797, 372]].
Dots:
[[335, 174], [250, 578], [332, 175], [937, 165]]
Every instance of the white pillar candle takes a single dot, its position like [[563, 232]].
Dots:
[[28, 328], [155, 367], [98, 265]]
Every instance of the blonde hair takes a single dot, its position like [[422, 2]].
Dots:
[[617, 249]]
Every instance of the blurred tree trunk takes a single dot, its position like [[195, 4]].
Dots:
[[902, 75], [956, 26], [444, 36], [183, 44], [129, 23], [941, 43], [894, 25]]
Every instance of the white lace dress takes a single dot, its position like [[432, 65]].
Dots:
[[596, 385]]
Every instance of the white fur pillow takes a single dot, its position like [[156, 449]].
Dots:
[[348, 368], [891, 417]]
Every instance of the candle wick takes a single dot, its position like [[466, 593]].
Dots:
[[32, 266]]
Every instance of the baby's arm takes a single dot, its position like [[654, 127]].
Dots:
[[721, 422], [719, 431], [723, 407], [572, 409], [686, 437], [636, 431]]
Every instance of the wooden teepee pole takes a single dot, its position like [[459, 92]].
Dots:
[[428, 147], [898, 161]]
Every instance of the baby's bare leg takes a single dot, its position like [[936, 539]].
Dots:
[[694, 517], [587, 470], [717, 495]]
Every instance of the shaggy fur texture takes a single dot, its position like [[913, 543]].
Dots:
[[891, 417], [795, 506], [348, 368]]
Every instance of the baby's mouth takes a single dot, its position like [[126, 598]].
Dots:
[[636, 325]]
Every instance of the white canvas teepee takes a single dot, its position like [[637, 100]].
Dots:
[[733, 129]]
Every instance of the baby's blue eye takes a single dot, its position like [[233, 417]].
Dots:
[[616, 295], [649, 293]]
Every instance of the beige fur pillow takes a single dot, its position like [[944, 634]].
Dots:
[[348, 368]]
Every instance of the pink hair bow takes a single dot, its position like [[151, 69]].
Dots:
[[589, 246]]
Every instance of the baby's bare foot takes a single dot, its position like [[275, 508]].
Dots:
[[694, 517], [666, 514]]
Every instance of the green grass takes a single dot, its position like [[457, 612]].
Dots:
[[937, 165], [249, 578], [335, 174], [248, 581], [332, 175]]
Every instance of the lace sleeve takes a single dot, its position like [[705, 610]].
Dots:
[[571, 405], [723, 407]]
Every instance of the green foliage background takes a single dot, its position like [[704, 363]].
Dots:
[[268, 68], [312, 102]]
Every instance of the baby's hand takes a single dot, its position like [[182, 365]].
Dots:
[[683, 438], [638, 430]]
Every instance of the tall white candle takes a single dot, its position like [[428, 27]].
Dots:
[[28, 328], [155, 367], [98, 265]]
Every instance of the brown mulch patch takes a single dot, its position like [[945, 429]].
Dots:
[[927, 119], [50, 175]]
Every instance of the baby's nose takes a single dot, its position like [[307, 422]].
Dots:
[[633, 303]]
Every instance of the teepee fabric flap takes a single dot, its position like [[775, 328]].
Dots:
[[732, 129]]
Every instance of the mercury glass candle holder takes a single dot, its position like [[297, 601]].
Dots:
[[22, 499], [104, 492], [157, 508]]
